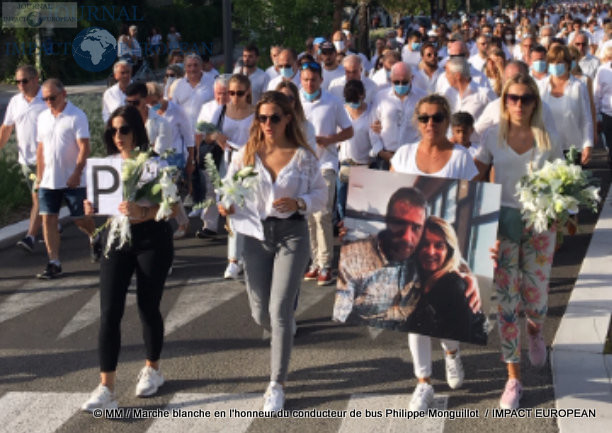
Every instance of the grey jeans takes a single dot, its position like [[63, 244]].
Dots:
[[274, 269]]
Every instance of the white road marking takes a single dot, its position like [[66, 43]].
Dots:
[[40, 412]]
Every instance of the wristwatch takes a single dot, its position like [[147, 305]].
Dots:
[[301, 204]]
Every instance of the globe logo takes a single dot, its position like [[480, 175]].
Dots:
[[34, 19], [94, 49]]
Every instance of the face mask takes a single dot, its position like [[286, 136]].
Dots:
[[573, 64], [286, 72], [539, 66], [388, 74], [181, 65], [402, 89], [156, 106], [556, 69], [488, 35], [339, 45], [416, 46], [508, 37], [311, 96], [353, 105]]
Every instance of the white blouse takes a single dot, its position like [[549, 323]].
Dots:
[[300, 178]]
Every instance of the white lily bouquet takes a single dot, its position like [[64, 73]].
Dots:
[[556, 191], [161, 190], [233, 191]]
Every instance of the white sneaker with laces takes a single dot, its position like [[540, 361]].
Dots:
[[422, 397], [274, 398], [101, 398], [232, 271], [454, 370], [149, 381]]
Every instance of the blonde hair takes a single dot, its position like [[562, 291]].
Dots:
[[242, 80], [433, 99], [293, 130], [540, 134], [452, 262], [155, 89]]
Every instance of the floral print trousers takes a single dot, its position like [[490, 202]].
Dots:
[[521, 278]]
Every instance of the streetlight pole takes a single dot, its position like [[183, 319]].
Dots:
[[227, 36]]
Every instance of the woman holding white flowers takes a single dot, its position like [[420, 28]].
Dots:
[[237, 117], [149, 254], [519, 144], [276, 248]]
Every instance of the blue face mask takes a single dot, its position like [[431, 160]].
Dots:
[[539, 66], [354, 105], [286, 72], [311, 96], [156, 106], [388, 74], [416, 46], [181, 65], [402, 89], [556, 69]]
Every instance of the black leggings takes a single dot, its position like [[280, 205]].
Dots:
[[150, 255]]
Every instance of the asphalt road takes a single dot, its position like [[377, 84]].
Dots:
[[215, 359]]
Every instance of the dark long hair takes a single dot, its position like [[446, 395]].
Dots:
[[132, 117]]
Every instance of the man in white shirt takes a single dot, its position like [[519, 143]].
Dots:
[[258, 78], [382, 77], [114, 96], [327, 115], [353, 70], [194, 89], [158, 129], [272, 71], [63, 148], [411, 52], [22, 115], [426, 74], [479, 59], [463, 94], [588, 63], [287, 69], [329, 60], [538, 67], [458, 48], [342, 43], [136, 51], [392, 116]]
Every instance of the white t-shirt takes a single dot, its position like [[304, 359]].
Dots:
[[459, 166], [328, 116], [336, 88], [159, 132], [509, 165], [259, 84], [59, 137], [182, 136], [279, 78], [359, 147], [329, 76], [24, 115], [112, 99]]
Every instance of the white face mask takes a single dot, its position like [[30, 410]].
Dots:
[[339, 45]]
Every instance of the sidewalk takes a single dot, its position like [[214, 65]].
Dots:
[[582, 374]]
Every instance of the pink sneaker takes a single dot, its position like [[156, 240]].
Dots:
[[537, 349], [512, 394]]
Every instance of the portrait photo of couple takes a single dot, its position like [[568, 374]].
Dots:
[[415, 256]]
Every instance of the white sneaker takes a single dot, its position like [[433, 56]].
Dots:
[[232, 271], [454, 370], [422, 397], [149, 381], [101, 398], [274, 398]]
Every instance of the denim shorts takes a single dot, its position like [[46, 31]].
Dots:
[[50, 200]]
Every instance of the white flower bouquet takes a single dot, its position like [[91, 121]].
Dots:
[[233, 191], [160, 190], [556, 191]]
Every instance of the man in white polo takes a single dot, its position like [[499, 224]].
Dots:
[[63, 148], [22, 115], [114, 96], [287, 69], [353, 70], [195, 88], [258, 78], [332, 126]]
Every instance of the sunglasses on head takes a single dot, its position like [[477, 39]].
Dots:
[[311, 65], [134, 102], [525, 99], [401, 83], [263, 119], [123, 130], [24, 81], [51, 98], [437, 118]]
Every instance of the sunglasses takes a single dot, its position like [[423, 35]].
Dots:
[[311, 65], [437, 118], [580, 44], [24, 81], [263, 119], [170, 75], [525, 99], [50, 98], [123, 130], [401, 83], [133, 102], [239, 93], [452, 56]]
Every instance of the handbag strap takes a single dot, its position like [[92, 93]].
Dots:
[[221, 118]]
